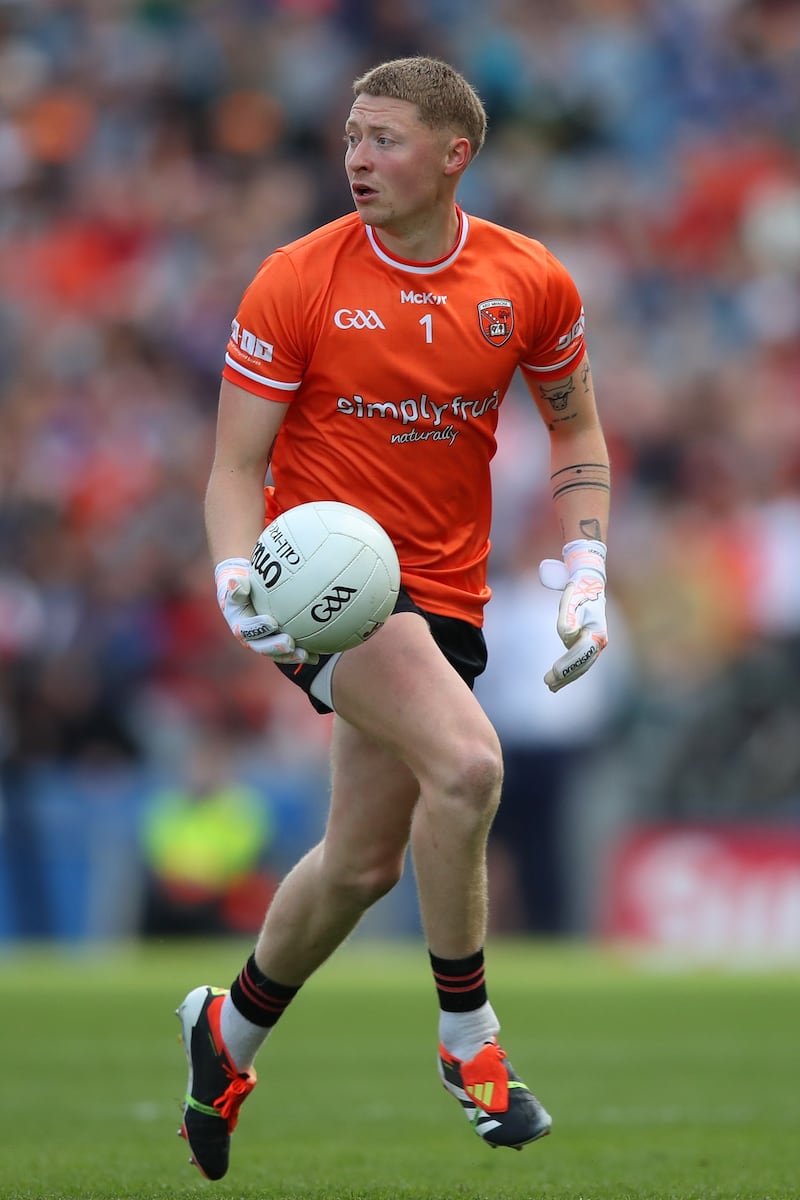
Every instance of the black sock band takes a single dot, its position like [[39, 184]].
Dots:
[[259, 999], [460, 982]]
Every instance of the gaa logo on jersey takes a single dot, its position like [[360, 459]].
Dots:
[[496, 319]]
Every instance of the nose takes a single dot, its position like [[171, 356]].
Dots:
[[358, 156]]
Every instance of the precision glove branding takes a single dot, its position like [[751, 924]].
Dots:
[[253, 635], [579, 662], [580, 577]]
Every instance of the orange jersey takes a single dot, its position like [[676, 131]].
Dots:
[[395, 372]]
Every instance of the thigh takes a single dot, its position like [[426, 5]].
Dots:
[[399, 690], [461, 644]]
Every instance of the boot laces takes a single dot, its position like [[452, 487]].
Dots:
[[229, 1103]]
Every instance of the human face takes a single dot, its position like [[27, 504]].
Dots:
[[402, 173]]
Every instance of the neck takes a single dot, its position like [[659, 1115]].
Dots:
[[424, 240]]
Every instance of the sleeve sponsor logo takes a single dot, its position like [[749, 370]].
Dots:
[[250, 345], [574, 333]]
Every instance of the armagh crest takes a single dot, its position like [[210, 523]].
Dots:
[[496, 319]]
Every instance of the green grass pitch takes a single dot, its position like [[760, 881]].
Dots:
[[663, 1086]]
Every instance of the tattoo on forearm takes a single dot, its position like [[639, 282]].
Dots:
[[586, 375], [591, 529], [581, 475]]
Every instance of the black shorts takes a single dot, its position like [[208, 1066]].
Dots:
[[462, 644]]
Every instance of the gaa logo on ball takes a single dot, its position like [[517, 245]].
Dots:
[[327, 573], [332, 603]]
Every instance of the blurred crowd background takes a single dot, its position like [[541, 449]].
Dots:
[[152, 153]]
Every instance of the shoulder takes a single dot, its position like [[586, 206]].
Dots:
[[312, 256], [529, 256], [489, 233], [326, 240]]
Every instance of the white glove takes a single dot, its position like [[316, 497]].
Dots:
[[258, 632], [581, 625]]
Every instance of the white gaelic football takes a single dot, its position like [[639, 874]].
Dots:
[[327, 573]]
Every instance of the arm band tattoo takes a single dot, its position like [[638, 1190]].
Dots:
[[581, 475]]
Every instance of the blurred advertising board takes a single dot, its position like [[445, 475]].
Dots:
[[727, 894]]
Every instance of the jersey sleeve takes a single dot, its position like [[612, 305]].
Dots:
[[265, 352], [559, 344]]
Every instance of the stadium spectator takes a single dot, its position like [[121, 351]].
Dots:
[[205, 842]]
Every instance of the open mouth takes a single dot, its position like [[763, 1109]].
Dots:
[[362, 191]]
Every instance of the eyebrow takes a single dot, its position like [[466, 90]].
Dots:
[[350, 123]]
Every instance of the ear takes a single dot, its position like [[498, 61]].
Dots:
[[457, 156]]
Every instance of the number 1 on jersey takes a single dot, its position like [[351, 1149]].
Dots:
[[427, 324]]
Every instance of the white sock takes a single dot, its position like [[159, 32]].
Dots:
[[463, 1034], [242, 1038]]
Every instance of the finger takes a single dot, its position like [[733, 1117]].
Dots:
[[568, 624], [576, 661], [280, 647], [275, 645], [239, 589], [299, 656], [553, 574], [234, 587]]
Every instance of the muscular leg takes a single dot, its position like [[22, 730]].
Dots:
[[408, 727], [413, 757], [359, 859], [420, 709]]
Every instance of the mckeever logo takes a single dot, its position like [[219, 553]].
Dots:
[[422, 298]]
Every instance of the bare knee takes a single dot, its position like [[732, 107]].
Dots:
[[473, 778]]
